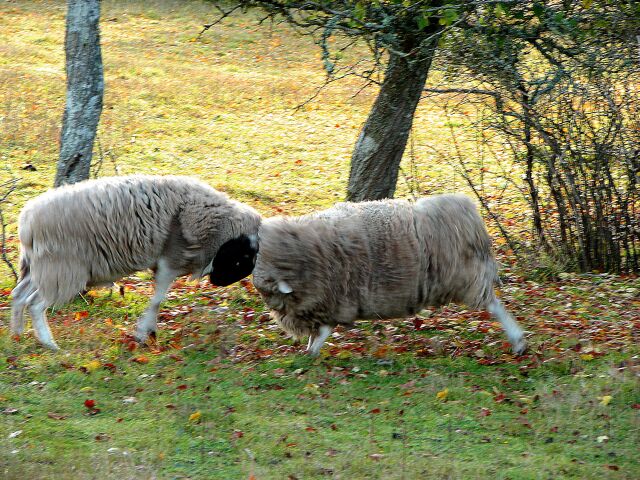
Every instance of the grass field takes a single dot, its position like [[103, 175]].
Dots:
[[224, 394]]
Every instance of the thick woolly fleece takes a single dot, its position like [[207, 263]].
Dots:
[[97, 231], [381, 259]]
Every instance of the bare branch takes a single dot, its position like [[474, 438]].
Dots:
[[10, 186]]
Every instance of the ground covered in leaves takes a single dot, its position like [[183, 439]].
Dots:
[[223, 394]]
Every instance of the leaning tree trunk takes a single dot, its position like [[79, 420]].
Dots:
[[85, 87], [376, 157]]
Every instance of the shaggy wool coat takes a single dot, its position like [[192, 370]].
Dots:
[[381, 259], [95, 232]]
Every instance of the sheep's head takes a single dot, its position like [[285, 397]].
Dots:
[[290, 270], [234, 260]]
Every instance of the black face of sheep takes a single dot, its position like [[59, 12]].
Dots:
[[234, 261]]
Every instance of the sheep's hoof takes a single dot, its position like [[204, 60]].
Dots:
[[313, 353], [53, 346], [520, 346], [143, 337], [148, 338]]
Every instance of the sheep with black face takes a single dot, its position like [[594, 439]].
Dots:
[[97, 231], [381, 259]]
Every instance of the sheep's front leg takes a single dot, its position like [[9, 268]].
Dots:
[[148, 322], [310, 342], [318, 340], [510, 326]]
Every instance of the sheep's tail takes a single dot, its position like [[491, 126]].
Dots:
[[25, 266], [26, 246]]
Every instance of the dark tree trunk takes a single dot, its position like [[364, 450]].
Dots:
[[85, 87], [376, 157], [530, 161]]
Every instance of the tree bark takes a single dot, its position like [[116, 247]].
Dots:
[[378, 151], [85, 87]]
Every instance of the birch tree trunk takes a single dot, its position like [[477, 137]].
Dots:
[[85, 87], [376, 157]]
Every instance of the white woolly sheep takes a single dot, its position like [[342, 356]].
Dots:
[[97, 231], [381, 259]]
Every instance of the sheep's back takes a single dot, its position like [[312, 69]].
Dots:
[[388, 271]]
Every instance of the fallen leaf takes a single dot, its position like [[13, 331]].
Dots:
[[92, 366], [195, 416], [499, 398], [442, 394], [56, 416], [485, 412], [89, 403], [311, 387], [381, 352], [604, 400], [109, 366]]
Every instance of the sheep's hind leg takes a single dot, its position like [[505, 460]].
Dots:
[[510, 326], [37, 308], [148, 322], [19, 295], [318, 340]]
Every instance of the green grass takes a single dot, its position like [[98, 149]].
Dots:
[[368, 408], [222, 108]]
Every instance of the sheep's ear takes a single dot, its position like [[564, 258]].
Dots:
[[284, 287]]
